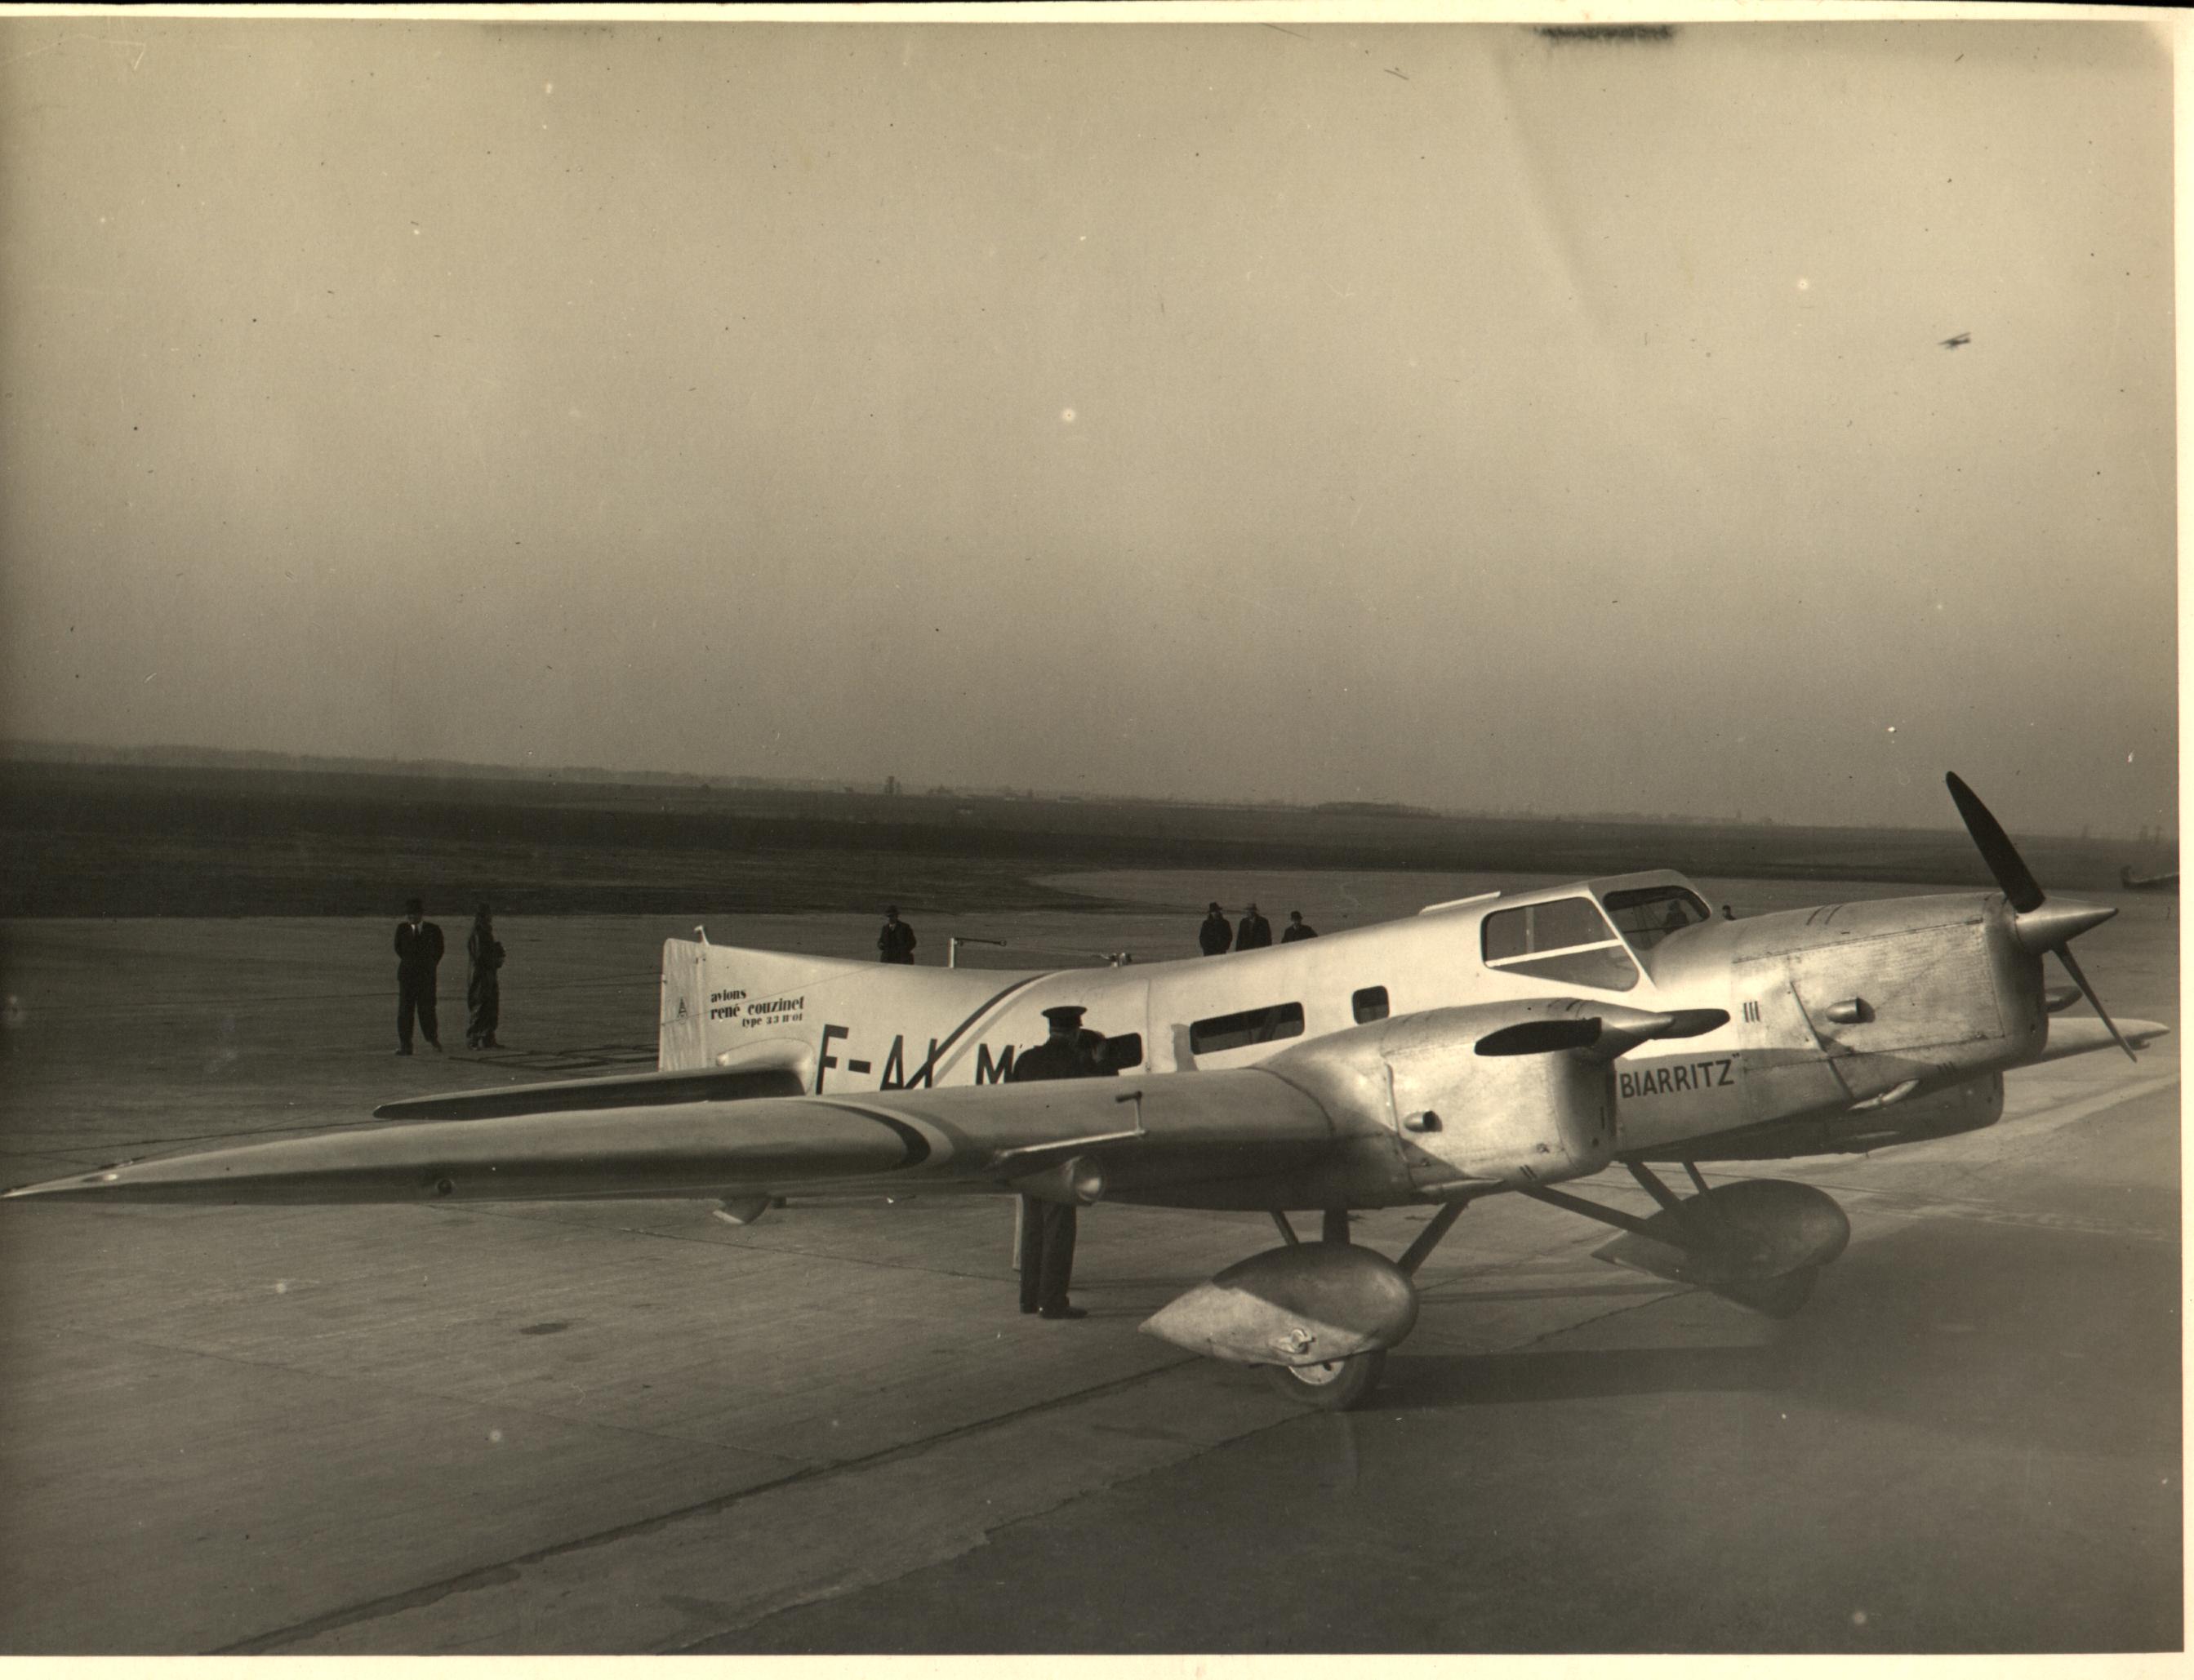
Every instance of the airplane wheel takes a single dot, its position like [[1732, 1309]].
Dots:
[[1783, 1297], [1335, 1386]]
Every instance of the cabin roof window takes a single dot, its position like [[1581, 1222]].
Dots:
[[1249, 1026], [1645, 915], [1567, 941]]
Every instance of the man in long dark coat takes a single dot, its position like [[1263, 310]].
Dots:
[[1046, 1248], [895, 943], [1255, 933], [1214, 937], [418, 951], [483, 984]]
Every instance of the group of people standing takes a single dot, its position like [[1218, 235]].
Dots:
[[895, 940], [1215, 938], [419, 947]]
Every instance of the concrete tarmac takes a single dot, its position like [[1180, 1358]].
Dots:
[[623, 1427]]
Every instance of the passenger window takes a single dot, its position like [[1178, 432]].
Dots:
[[1122, 1051], [1251, 1026], [1567, 941], [1369, 1003]]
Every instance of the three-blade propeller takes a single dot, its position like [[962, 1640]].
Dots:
[[2039, 929]]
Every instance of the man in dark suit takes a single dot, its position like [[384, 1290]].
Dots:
[[1047, 1247], [896, 943], [1255, 933], [418, 950], [1215, 937], [1297, 928]]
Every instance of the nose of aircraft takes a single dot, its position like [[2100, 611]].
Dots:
[[2038, 923], [2058, 921]]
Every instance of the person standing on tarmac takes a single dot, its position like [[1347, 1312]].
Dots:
[[1297, 928], [1255, 933], [418, 953], [483, 984], [1047, 1246], [895, 943], [1214, 936]]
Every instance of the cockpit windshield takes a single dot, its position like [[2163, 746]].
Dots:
[[1565, 940], [1645, 915]]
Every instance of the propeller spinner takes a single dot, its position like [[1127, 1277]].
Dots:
[[2039, 922]]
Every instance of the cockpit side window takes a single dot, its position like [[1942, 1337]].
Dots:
[[1567, 941], [1648, 914]]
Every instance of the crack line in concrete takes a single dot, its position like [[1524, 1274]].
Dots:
[[490, 1574]]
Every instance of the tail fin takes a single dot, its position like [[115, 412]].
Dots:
[[710, 990], [682, 1034]]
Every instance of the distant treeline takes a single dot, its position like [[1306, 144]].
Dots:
[[106, 840]]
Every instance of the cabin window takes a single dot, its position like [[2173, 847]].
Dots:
[[1250, 1026], [1645, 915], [1122, 1051], [1567, 941], [1369, 1003]]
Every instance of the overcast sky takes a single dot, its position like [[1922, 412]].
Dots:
[[1432, 413]]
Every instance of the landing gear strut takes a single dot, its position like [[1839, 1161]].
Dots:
[[1341, 1384], [1760, 1243]]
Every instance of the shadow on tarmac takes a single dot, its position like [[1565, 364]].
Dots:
[[2058, 1340], [1439, 1382], [2027, 1336]]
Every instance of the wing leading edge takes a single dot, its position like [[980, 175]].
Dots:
[[1150, 1132]]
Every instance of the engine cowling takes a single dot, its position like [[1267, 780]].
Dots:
[[1509, 1095], [1515, 1119]]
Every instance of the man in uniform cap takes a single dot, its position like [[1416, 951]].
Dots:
[[1046, 1249], [1214, 936]]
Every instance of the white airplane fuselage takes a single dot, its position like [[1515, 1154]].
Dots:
[[1833, 1012]]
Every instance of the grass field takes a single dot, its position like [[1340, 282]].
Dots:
[[96, 839]]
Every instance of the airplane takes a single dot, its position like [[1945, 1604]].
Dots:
[[1956, 340], [2166, 882], [1505, 1044]]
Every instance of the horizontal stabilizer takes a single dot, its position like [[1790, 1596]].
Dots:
[[619, 1090]]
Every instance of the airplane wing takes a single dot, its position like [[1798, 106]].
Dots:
[[739, 1135], [618, 1091], [1164, 1130]]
